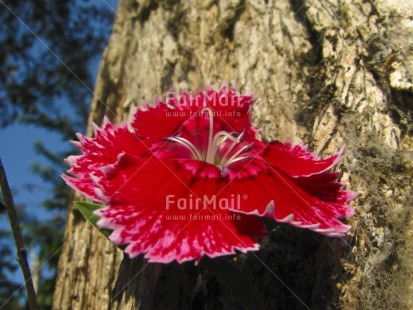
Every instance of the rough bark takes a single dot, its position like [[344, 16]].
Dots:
[[325, 72]]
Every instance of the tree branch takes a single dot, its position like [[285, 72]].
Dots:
[[18, 239]]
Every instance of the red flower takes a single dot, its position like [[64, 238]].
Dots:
[[188, 178]]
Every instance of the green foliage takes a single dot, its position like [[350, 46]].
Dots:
[[87, 208]]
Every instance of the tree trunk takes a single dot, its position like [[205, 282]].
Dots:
[[325, 72]]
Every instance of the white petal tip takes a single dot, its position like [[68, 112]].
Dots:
[[100, 195], [105, 121], [95, 128], [336, 235], [326, 231], [76, 144], [94, 179], [71, 160], [311, 226], [80, 136], [270, 209], [98, 212], [287, 219]]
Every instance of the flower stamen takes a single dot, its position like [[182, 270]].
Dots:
[[236, 140], [186, 143], [235, 157], [211, 134], [215, 144]]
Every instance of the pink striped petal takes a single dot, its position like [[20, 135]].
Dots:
[[169, 216], [101, 156]]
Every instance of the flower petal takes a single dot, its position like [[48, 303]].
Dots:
[[326, 187], [159, 121], [293, 202], [165, 118], [169, 216], [101, 156], [229, 108], [296, 161]]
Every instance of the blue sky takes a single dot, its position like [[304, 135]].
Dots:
[[18, 154]]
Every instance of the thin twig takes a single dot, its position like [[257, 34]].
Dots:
[[18, 239]]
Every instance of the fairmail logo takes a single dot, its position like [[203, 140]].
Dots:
[[193, 202]]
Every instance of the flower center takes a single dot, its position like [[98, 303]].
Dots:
[[222, 149]]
